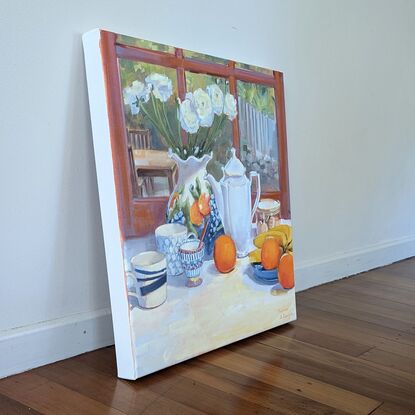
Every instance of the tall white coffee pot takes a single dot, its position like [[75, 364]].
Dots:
[[233, 198]]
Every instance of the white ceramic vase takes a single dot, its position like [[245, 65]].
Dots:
[[192, 202]]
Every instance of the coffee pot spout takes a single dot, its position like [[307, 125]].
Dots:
[[217, 192]]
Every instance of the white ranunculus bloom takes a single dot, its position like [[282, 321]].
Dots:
[[204, 108], [132, 101], [140, 90], [189, 119], [161, 85], [216, 96], [230, 106], [137, 91]]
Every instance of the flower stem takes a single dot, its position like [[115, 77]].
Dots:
[[159, 124], [211, 140], [170, 131], [149, 116]]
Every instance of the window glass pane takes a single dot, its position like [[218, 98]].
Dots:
[[253, 68], [202, 57], [222, 126], [258, 133], [145, 44], [143, 110]]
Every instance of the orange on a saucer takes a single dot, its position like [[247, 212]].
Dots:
[[270, 253]]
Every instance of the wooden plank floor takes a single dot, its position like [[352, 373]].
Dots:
[[352, 350]]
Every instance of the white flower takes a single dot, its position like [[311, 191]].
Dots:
[[137, 91], [161, 86], [140, 90], [216, 96], [230, 106], [203, 106], [188, 115]]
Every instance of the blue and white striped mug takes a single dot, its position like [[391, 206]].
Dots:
[[151, 274], [191, 255]]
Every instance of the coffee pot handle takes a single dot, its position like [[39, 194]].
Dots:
[[258, 191]]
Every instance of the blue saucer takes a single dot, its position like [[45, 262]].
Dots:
[[264, 275]]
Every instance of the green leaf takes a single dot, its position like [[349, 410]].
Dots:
[[209, 188], [171, 214], [193, 192], [198, 187], [186, 210], [186, 214]]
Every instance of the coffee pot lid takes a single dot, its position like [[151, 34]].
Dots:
[[234, 167]]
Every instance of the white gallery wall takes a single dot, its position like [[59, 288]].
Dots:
[[350, 101]]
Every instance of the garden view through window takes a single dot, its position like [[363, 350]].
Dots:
[[194, 107]]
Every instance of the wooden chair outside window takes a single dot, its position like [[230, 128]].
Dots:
[[138, 183], [149, 163], [139, 139]]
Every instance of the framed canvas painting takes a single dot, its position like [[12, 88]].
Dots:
[[191, 160]]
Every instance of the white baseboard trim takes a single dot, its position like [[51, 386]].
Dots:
[[28, 347], [322, 270], [36, 345]]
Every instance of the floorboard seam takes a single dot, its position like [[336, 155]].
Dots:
[[353, 318], [368, 350], [161, 395], [371, 412]]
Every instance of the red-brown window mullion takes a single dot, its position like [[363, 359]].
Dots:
[[181, 85], [282, 145], [178, 59], [235, 122], [181, 79], [149, 56]]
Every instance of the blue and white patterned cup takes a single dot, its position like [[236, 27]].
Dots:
[[169, 237], [150, 272], [191, 255]]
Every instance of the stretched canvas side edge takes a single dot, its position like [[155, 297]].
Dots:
[[108, 204]]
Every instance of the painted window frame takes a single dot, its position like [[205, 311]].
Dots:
[[139, 217]]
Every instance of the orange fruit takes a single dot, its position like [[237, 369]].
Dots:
[[286, 271], [195, 216], [203, 204], [270, 253], [224, 254]]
